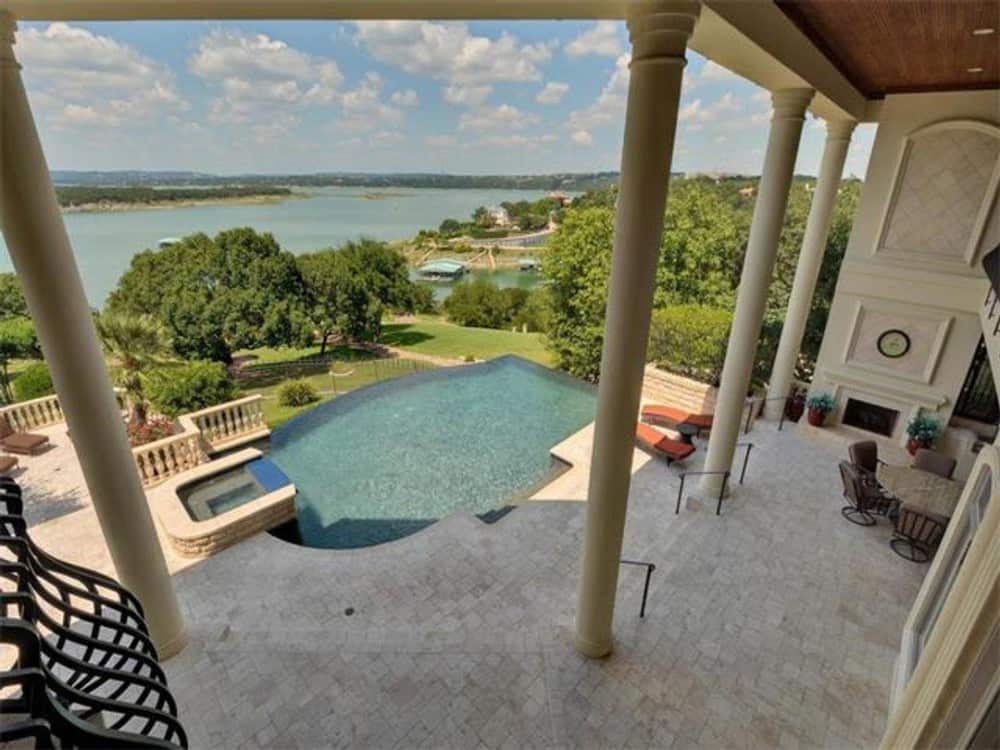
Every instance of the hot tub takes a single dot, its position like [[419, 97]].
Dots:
[[222, 502]]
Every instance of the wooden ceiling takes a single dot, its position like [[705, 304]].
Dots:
[[904, 46]]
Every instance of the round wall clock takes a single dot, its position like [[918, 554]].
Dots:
[[893, 343]]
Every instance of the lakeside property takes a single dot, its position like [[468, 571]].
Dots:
[[105, 241]]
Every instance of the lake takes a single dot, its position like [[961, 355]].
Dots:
[[104, 242]]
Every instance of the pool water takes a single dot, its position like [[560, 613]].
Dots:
[[385, 461]]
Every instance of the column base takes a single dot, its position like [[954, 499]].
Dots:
[[712, 483], [773, 410], [172, 647], [590, 649]]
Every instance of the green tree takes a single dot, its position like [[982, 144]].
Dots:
[[705, 233], [12, 303], [189, 386], [480, 303], [136, 345], [339, 299], [576, 266], [236, 290], [17, 340]]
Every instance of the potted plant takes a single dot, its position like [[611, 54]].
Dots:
[[819, 405], [923, 431], [795, 406]]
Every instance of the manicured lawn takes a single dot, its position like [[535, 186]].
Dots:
[[347, 375], [438, 338]]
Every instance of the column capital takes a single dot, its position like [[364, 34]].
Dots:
[[840, 130], [8, 25], [660, 30], [791, 104]]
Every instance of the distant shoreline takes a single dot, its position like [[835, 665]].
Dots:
[[122, 206]]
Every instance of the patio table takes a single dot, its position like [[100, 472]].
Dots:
[[921, 489]]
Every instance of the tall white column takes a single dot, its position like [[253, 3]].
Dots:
[[40, 250], [838, 138], [758, 266], [659, 32]]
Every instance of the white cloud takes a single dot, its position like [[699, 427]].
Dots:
[[609, 107], [385, 138], [363, 109], [504, 117], [82, 78], [255, 72], [470, 96], [552, 92], [582, 137], [603, 38], [517, 141], [712, 71], [406, 98], [440, 141], [450, 52], [695, 112]]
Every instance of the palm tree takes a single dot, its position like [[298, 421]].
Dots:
[[135, 345]]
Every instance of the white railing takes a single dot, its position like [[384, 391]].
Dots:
[[228, 422], [30, 415], [171, 455]]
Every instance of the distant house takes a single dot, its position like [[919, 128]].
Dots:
[[563, 198], [442, 269], [499, 216], [747, 192]]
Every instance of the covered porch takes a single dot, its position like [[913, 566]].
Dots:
[[777, 589]]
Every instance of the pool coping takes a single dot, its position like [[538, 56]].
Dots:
[[192, 538]]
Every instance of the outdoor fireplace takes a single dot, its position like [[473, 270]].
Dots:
[[870, 417]]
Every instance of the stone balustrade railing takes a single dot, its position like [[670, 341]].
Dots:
[[30, 415], [171, 455], [229, 422]]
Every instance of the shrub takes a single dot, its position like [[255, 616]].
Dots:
[[423, 299], [33, 382], [690, 340], [154, 428], [822, 402], [482, 304], [297, 393], [924, 430], [189, 387]]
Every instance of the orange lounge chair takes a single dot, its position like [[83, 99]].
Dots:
[[657, 413], [25, 443], [661, 445]]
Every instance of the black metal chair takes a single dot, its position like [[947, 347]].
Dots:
[[917, 534], [83, 652], [865, 500]]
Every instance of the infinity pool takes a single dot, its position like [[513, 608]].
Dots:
[[387, 460]]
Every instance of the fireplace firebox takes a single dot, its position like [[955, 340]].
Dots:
[[870, 417]]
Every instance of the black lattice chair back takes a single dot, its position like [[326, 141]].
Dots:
[[83, 651]]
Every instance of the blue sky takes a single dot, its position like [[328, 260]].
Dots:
[[526, 97]]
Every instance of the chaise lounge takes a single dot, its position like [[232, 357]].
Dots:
[[7, 464], [670, 415], [661, 445], [25, 443]]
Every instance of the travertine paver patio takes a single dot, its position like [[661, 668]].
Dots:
[[774, 625]]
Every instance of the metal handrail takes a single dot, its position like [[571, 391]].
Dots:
[[781, 419], [725, 479], [650, 567]]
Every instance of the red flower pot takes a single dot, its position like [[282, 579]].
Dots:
[[912, 446], [816, 417]]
